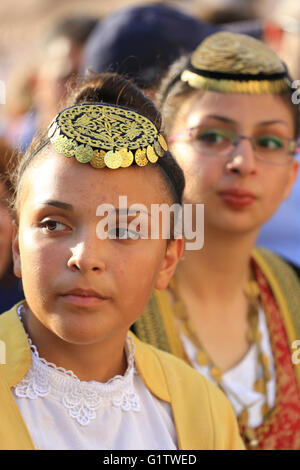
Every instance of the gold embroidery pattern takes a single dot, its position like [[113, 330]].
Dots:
[[87, 130]]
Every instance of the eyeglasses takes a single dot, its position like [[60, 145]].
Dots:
[[214, 141]]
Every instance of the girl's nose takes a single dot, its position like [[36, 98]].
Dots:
[[87, 256]]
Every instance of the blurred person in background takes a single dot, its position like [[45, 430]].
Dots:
[[282, 33], [59, 59], [140, 42], [10, 286], [281, 233]]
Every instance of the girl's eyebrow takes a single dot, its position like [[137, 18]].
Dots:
[[59, 204]]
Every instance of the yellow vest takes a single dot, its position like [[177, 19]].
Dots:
[[202, 415]]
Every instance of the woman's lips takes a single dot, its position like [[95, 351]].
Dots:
[[237, 198]]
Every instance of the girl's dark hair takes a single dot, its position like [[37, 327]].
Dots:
[[112, 89], [172, 89], [6, 159]]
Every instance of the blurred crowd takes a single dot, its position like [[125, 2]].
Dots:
[[140, 42]]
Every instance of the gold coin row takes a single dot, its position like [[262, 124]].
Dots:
[[112, 158]]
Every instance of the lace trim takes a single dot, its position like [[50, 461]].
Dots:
[[82, 399]]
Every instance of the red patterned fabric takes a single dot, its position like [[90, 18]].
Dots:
[[281, 428]]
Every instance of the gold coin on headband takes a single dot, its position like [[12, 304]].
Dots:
[[98, 159], [60, 143], [140, 157], [158, 149], [113, 159], [151, 155], [163, 142], [84, 153], [127, 157], [69, 148]]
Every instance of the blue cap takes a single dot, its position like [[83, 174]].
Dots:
[[141, 42]]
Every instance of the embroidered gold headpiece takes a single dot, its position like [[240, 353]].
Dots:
[[106, 135], [235, 63]]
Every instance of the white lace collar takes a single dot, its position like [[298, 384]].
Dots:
[[82, 399]]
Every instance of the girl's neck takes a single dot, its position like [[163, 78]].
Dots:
[[99, 361]]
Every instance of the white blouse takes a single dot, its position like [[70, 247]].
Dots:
[[62, 412], [238, 381]]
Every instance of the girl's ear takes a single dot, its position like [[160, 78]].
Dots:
[[16, 250], [172, 256]]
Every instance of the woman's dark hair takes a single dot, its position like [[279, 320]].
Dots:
[[112, 89], [173, 90]]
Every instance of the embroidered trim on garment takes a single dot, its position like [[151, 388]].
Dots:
[[82, 399]]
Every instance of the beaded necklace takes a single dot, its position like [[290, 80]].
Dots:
[[254, 336]]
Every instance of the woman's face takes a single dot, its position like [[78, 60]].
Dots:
[[5, 231], [56, 248], [239, 192]]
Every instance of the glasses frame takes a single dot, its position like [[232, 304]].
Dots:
[[294, 145]]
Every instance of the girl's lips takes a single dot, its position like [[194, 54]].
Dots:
[[237, 198], [83, 298], [83, 301]]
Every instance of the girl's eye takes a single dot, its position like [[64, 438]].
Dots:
[[50, 226], [270, 142]]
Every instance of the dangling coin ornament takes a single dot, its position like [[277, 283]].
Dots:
[[98, 159], [84, 153], [140, 157], [127, 158], [158, 149], [151, 155], [106, 135], [113, 159]]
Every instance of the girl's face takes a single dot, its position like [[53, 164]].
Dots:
[[242, 196], [56, 248], [5, 231]]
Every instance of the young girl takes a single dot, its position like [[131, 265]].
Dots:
[[231, 312], [74, 378]]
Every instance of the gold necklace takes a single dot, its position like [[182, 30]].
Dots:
[[254, 337]]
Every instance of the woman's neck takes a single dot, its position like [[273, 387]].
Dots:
[[221, 266], [211, 283]]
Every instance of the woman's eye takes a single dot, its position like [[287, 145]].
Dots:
[[50, 226], [270, 142], [212, 138]]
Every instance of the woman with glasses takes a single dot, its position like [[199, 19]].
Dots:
[[232, 312]]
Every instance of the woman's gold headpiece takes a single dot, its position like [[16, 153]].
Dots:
[[235, 63], [106, 135]]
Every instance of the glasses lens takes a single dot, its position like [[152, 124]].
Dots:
[[214, 141], [273, 148]]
